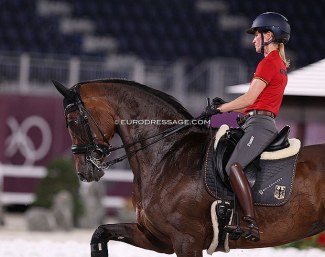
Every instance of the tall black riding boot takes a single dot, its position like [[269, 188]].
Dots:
[[243, 192]]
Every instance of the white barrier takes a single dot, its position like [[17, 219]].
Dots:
[[15, 171]]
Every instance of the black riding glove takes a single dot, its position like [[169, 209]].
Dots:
[[217, 101], [213, 108]]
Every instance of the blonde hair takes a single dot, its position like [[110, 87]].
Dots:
[[283, 55]]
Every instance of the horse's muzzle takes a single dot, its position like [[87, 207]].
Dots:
[[90, 173], [82, 177]]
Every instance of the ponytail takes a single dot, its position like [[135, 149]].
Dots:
[[283, 56]]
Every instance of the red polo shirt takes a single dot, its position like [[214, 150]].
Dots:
[[273, 72]]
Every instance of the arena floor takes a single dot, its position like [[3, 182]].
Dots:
[[17, 241]]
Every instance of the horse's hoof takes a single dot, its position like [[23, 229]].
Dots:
[[99, 249]]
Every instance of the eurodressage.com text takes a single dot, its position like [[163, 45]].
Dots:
[[163, 122]]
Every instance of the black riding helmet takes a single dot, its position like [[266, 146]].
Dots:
[[272, 21]]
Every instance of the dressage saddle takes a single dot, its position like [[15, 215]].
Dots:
[[227, 144]]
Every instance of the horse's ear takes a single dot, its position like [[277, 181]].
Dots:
[[63, 90]]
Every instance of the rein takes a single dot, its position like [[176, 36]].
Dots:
[[162, 135], [95, 153]]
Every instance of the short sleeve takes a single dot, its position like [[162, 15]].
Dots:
[[265, 71]]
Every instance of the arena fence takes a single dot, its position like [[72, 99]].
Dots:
[[26, 198]]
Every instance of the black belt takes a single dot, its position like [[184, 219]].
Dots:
[[241, 119]]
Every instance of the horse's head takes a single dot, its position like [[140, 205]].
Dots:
[[91, 125]]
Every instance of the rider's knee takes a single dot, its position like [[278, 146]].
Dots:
[[232, 166]]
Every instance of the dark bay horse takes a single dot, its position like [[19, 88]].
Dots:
[[171, 202]]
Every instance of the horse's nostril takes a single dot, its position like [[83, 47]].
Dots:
[[81, 176]]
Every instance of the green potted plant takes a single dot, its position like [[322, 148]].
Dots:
[[61, 176]]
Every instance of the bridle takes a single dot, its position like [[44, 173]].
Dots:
[[95, 153]]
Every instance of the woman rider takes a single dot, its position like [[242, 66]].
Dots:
[[259, 105]]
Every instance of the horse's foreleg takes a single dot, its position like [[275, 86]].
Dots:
[[130, 233]]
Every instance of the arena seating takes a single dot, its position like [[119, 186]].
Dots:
[[160, 30], [22, 30]]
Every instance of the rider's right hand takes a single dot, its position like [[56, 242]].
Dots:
[[211, 110]]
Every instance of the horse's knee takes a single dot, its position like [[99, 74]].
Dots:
[[98, 243], [99, 235]]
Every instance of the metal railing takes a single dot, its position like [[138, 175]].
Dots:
[[29, 73]]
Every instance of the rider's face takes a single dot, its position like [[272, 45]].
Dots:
[[257, 41]]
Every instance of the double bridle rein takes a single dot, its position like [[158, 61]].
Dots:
[[94, 152]]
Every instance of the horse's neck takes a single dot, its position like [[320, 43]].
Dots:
[[141, 116], [148, 133]]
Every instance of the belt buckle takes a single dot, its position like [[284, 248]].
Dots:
[[252, 113]]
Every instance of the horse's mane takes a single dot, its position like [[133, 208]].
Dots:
[[165, 97]]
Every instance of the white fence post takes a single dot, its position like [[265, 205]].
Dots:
[[179, 86], [24, 72], [138, 71], [74, 69]]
